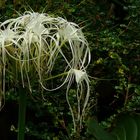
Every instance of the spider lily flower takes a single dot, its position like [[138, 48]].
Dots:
[[79, 75], [82, 81], [36, 41], [7, 37]]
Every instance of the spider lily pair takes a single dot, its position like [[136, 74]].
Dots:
[[35, 42]]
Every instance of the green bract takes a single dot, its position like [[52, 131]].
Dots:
[[34, 42]]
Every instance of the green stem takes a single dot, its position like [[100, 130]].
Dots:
[[56, 76], [21, 114]]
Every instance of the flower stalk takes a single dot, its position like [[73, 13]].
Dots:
[[22, 113]]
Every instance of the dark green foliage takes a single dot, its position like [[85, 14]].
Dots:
[[97, 132], [126, 127], [112, 29]]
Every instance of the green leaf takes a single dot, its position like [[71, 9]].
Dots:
[[137, 119], [137, 90], [97, 131], [127, 128], [119, 132]]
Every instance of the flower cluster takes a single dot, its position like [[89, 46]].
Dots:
[[37, 40]]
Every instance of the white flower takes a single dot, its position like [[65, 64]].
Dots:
[[79, 75], [7, 36], [37, 41]]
